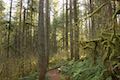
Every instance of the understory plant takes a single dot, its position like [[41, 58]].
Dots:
[[102, 65], [84, 70]]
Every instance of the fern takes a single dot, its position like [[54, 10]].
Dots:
[[105, 67], [84, 70]]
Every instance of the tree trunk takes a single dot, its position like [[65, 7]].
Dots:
[[92, 26], [71, 31], [76, 30], [66, 25], [41, 42], [8, 55], [54, 40], [63, 34], [47, 26]]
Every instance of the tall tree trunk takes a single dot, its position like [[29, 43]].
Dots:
[[9, 29], [71, 30], [23, 43], [41, 42], [8, 55], [92, 26], [66, 25], [19, 29], [47, 26], [21, 70], [76, 30], [54, 40], [31, 34], [63, 34]]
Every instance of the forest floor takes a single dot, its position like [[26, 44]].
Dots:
[[54, 74]]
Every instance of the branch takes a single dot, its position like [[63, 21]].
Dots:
[[95, 11]]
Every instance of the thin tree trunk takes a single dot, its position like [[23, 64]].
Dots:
[[23, 42], [47, 25], [63, 34], [20, 25], [9, 28], [54, 40], [8, 38], [21, 70], [92, 26], [66, 25], [71, 31], [76, 31], [31, 34]]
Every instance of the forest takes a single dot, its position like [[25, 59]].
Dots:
[[59, 39]]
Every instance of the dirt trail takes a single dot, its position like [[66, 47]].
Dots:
[[54, 74]]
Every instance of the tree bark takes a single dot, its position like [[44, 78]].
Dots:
[[76, 30], [63, 34], [71, 31], [66, 25], [8, 55], [92, 26], [47, 26], [41, 42]]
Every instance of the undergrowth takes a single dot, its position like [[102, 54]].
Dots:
[[33, 76], [105, 66], [84, 70], [58, 60]]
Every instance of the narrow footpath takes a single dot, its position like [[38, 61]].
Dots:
[[54, 74]]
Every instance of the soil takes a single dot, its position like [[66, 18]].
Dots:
[[54, 74]]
